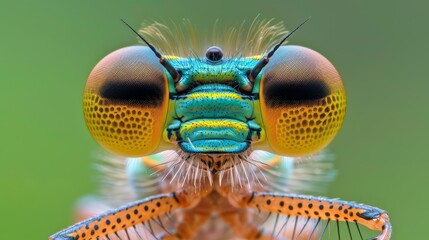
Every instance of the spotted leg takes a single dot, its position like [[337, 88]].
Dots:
[[124, 219], [300, 206]]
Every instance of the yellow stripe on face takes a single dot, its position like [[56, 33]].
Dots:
[[255, 57], [215, 95], [214, 125], [171, 57]]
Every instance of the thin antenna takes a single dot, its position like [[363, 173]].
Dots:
[[167, 65], [261, 64]]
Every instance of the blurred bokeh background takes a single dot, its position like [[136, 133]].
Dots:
[[48, 48]]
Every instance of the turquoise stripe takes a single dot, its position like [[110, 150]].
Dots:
[[214, 146], [191, 107], [200, 130]]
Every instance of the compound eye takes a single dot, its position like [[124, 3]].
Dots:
[[125, 101], [302, 101]]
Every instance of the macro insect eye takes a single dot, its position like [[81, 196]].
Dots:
[[126, 100], [302, 101], [214, 53]]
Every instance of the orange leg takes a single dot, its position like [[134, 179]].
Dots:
[[127, 217], [309, 207]]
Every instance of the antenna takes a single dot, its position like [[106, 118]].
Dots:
[[261, 64], [167, 65]]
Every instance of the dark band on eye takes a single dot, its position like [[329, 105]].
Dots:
[[146, 93], [291, 93]]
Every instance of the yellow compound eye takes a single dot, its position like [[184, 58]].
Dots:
[[303, 101], [125, 101]]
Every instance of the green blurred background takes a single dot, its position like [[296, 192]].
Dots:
[[48, 48]]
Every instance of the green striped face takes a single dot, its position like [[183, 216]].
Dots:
[[293, 107], [213, 105]]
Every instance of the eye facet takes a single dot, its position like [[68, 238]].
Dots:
[[302, 101], [126, 100]]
